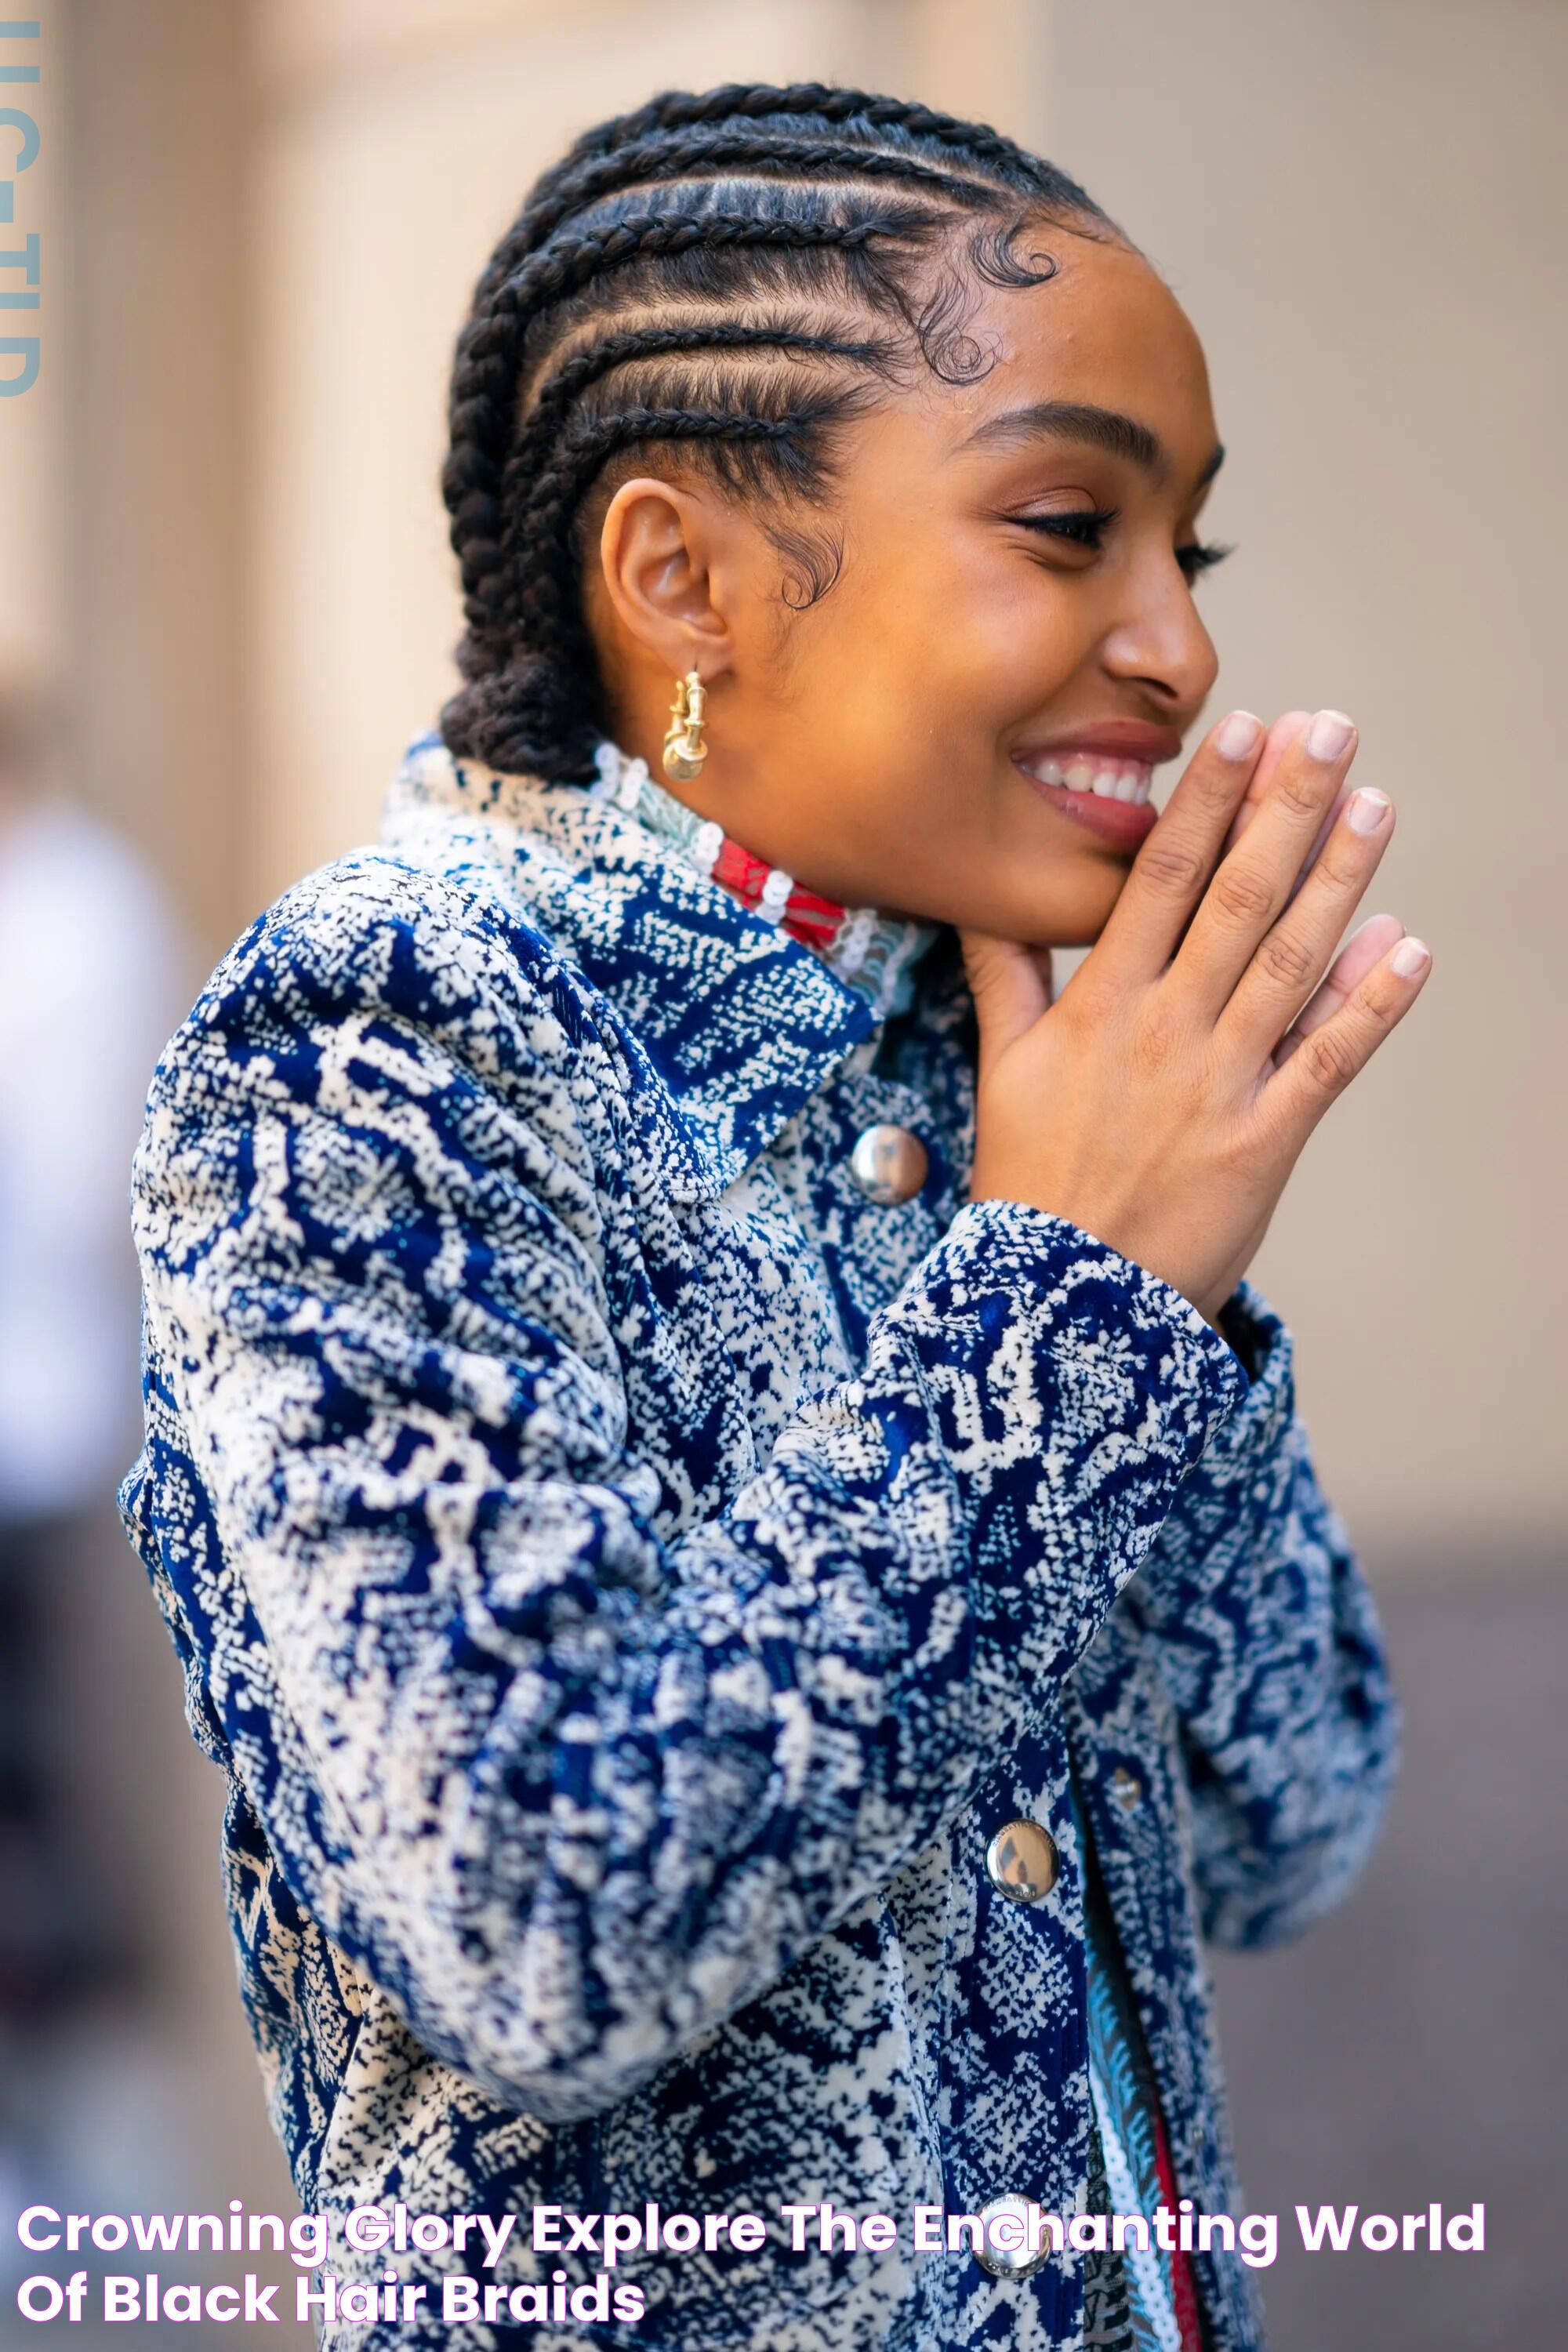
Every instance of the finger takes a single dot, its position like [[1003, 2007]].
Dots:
[[1275, 743], [1339, 1048], [1349, 969], [1292, 956], [1169, 872], [1280, 736], [1010, 986], [1254, 881]]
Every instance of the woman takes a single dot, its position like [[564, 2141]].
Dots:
[[729, 1510]]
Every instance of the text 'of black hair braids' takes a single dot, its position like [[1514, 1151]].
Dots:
[[737, 274]]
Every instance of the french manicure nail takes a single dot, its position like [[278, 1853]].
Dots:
[[1410, 957], [1366, 808], [1329, 733], [1238, 735]]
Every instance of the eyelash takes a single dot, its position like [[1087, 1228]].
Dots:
[[1089, 526]]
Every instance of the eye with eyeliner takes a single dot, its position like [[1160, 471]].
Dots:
[[1086, 527], [1082, 526]]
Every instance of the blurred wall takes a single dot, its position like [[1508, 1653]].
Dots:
[[148, 388], [1360, 205]]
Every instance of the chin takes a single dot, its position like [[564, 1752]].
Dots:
[[1078, 920]]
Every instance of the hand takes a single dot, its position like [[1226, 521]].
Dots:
[[1209, 1028]]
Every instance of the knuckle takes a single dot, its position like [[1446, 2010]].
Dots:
[[1305, 793], [1242, 894], [1170, 867], [1328, 1059], [1286, 959], [1378, 998], [1341, 873], [1156, 1042], [1212, 789], [1237, 1157]]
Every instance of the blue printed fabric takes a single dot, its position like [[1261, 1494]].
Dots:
[[627, 1575]]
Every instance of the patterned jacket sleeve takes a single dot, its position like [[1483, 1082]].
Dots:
[[1270, 1647], [571, 1789]]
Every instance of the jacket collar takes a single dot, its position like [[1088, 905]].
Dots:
[[728, 1024]]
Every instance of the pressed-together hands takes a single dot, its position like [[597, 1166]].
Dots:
[[1161, 1101]]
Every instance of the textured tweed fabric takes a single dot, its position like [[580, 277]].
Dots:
[[627, 1575]]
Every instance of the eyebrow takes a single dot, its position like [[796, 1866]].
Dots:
[[1103, 428]]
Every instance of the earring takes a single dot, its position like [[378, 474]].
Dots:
[[684, 749]]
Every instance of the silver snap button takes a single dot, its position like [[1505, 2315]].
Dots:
[[1007, 2262], [889, 1163], [1022, 1862], [1126, 1788]]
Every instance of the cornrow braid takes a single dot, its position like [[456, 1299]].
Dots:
[[680, 109], [730, 272], [487, 368], [708, 152]]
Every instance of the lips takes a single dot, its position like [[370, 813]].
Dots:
[[1102, 776]]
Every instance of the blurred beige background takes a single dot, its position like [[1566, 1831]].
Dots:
[[225, 540]]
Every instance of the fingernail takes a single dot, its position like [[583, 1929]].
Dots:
[[1238, 735], [1329, 733], [1410, 957], [1365, 809]]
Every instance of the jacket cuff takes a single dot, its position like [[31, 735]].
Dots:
[[1103, 1319], [1262, 1344]]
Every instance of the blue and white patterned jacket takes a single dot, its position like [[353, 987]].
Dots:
[[628, 1576]]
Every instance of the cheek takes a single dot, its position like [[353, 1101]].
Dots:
[[1025, 634], [923, 657], [984, 640]]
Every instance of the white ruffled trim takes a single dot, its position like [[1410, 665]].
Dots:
[[607, 759], [853, 939], [774, 894]]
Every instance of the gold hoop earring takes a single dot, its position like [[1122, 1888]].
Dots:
[[684, 749]]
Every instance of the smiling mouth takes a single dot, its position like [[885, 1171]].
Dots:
[[1107, 778]]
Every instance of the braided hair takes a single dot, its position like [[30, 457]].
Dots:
[[740, 272]]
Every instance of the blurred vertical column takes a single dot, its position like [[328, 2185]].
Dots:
[[151, 406]]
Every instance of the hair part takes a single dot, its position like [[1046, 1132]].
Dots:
[[725, 281]]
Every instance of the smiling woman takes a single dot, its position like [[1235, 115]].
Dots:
[[728, 1509], [1012, 560]]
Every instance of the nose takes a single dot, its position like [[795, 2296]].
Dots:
[[1158, 641]]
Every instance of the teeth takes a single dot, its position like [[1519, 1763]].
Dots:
[[1109, 780]]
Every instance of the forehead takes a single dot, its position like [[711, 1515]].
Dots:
[[1105, 331]]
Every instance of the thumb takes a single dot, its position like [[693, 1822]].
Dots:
[[1011, 985]]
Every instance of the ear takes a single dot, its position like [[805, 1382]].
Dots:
[[664, 559]]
